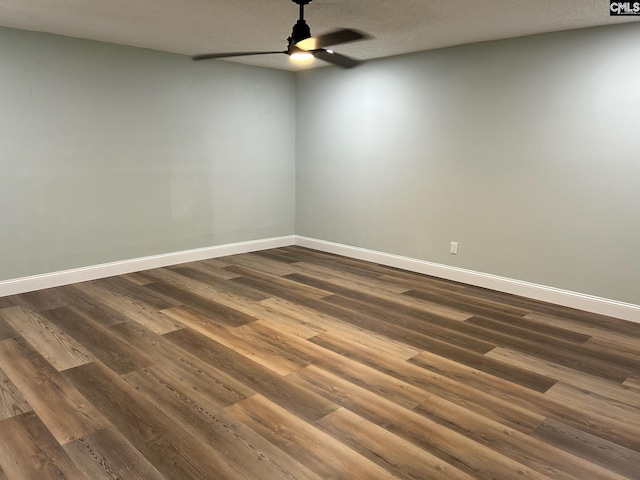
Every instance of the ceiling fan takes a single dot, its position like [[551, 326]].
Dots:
[[302, 43]]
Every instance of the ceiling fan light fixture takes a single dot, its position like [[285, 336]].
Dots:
[[301, 57], [303, 48]]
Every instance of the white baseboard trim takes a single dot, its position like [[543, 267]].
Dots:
[[589, 303], [94, 272]]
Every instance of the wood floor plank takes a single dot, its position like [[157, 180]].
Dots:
[[221, 314], [606, 365], [594, 332], [293, 364], [629, 347], [204, 305], [512, 415], [398, 303], [90, 307], [205, 420], [400, 313], [323, 323], [40, 300], [425, 342], [586, 354], [427, 326], [249, 311], [238, 340], [218, 263], [143, 341], [353, 265], [260, 263], [183, 366], [515, 374], [289, 322], [480, 306], [632, 382], [301, 402], [6, 330], [348, 279], [400, 457], [590, 402], [284, 255], [523, 448], [5, 302], [614, 391], [412, 281], [448, 445], [171, 449], [198, 294], [522, 328], [268, 340], [590, 447], [593, 422], [96, 338], [158, 382], [391, 388], [14, 301], [217, 285], [323, 454], [61, 350], [213, 267], [137, 278], [64, 411], [107, 455], [531, 401], [122, 286], [29, 451], [276, 286], [602, 322], [376, 286], [132, 309], [494, 385], [12, 403]]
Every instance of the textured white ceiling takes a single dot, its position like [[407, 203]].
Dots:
[[398, 26]]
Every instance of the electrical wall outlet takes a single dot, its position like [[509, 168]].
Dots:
[[453, 249]]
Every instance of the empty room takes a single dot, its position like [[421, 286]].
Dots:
[[328, 239]]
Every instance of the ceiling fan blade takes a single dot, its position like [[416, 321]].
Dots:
[[335, 37], [335, 58], [207, 56]]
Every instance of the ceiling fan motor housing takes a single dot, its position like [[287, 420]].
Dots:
[[300, 31]]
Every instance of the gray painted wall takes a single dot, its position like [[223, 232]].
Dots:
[[525, 151], [110, 153]]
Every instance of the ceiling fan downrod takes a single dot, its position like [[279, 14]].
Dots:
[[300, 30], [302, 3]]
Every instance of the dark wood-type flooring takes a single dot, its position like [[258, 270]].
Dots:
[[296, 364]]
